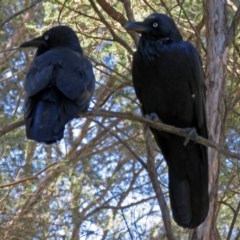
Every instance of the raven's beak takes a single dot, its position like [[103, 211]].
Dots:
[[35, 42], [139, 27]]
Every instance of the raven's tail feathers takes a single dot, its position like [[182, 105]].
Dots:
[[189, 201], [188, 179], [45, 124]]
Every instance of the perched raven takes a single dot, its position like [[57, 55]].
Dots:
[[168, 80], [59, 84]]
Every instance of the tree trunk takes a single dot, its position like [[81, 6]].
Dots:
[[216, 29]]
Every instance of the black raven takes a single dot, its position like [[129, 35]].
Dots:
[[59, 84], [168, 81]]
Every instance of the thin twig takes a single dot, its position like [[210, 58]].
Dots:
[[19, 13], [233, 221], [35, 177]]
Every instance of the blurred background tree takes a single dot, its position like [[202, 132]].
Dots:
[[107, 178]]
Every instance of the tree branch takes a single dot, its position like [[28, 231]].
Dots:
[[157, 125], [236, 214], [12, 126], [117, 16], [109, 27], [19, 13], [163, 127], [233, 27], [153, 176], [130, 15]]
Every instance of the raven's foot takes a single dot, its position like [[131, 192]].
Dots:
[[153, 117], [191, 134]]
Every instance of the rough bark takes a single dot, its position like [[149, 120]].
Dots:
[[216, 29]]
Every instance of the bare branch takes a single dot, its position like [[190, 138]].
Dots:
[[12, 126], [19, 13], [109, 27], [19, 181], [130, 15], [153, 175], [236, 214], [233, 27], [135, 155], [157, 125], [164, 127], [117, 16]]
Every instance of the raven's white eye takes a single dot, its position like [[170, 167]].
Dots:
[[46, 37], [155, 25]]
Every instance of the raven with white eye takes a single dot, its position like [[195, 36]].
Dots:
[[169, 82], [59, 84]]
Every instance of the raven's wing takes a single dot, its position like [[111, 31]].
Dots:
[[38, 77], [74, 79], [198, 88], [68, 71], [60, 84]]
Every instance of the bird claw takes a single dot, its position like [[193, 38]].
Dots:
[[191, 134], [153, 117]]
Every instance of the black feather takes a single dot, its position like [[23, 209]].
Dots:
[[168, 80], [59, 84]]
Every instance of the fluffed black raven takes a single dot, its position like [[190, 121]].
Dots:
[[168, 81], [59, 84]]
